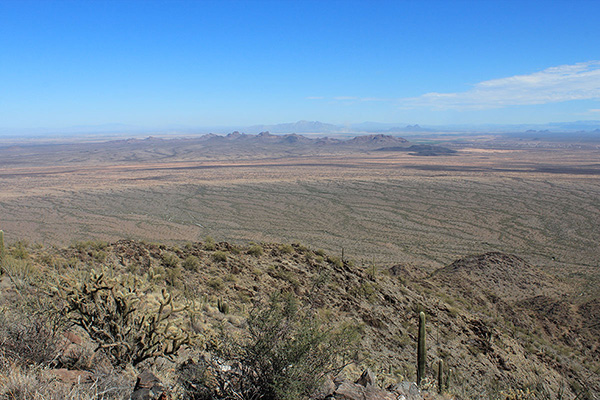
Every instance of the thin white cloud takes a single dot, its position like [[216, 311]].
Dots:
[[349, 98], [594, 110], [556, 84], [374, 99]]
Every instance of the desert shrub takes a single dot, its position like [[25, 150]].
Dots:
[[173, 276], [335, 261], [19, 250], [191, 263], [255, 250], [27, 384], [216, 283], [91, 244], [209, 244], [286, 249], [28, 339], [20, 271], [169, 260], [123, 322], [285, 275], [99, 255], [286, 354], [219, 256]]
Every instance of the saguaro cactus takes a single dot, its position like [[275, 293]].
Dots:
[[421, 350], [1, 245], [222, 306], [441, 376]]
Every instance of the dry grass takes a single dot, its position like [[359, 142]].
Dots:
[[541, 203]]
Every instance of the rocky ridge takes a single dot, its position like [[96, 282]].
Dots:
[[498, 322]]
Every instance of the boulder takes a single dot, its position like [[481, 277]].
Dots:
[[407, 391], [353, 391], [367, 378], [149, 387]]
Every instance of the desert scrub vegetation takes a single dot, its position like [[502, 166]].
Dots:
[[255, 250], [285, 354], [169, 260], [19, 250], [219, 256], [21, 272], [191, 263], [209, 244], [29, 337], [127, 325], [286, 249]]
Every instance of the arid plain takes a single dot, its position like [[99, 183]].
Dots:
[[538, 200]]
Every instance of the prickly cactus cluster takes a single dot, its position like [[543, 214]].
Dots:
[[111, 312]]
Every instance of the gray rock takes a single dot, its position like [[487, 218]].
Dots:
[[148, 387], [407, 391], [367, 378], [352, 391]]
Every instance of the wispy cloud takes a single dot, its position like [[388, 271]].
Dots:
[[563, 83], [349, 98], [345, 98], [594, 110]]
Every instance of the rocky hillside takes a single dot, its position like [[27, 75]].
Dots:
[[501, 326]]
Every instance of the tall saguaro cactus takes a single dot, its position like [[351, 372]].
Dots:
[[440, 376], [421, 349], [1, 245]]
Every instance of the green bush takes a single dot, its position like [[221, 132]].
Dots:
[[286, 249], [255, 250], [173, 276], [209, 244], [191, 263], [20, 272], [285, 355], [19, 250], [216, 283], [169, 260], [219, 256], [335, 261]]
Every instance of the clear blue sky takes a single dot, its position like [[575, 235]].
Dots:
[[203, 63]]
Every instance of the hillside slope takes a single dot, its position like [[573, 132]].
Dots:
[[498, 322]]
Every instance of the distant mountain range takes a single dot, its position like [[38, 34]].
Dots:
[[362, 141], [307, 127]]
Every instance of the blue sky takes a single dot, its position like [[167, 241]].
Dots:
[[202, 63]]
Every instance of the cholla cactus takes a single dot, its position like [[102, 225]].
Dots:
[[121, 320]]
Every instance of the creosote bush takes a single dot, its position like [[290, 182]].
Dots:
[[209, 244], [219, 256], [170, 260], [19, 250], [122, 321], [255, 250], [28, 339], [286, 354], [191, 263], [286, 249]]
